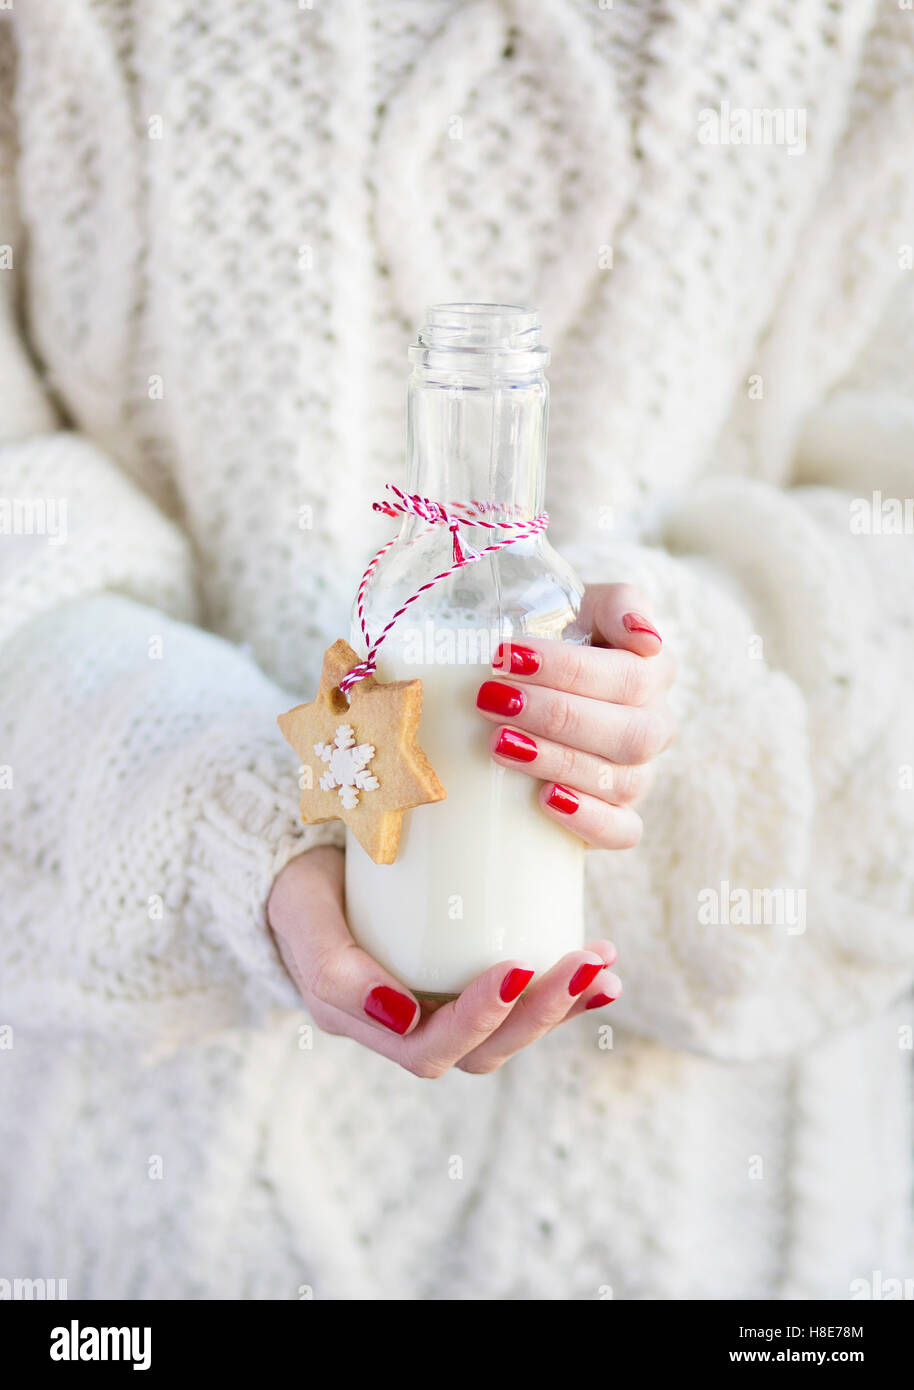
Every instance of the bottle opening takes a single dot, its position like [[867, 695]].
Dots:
[[493, 339], [489, 326]]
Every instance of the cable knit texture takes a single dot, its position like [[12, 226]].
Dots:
[[221, 225]]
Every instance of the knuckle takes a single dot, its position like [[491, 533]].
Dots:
[[565, 763], [627, 784], [635, 681], [610, 780], [654, 733], [426, 1068], [323, 977], [636, 740], [561, 718], [570, 663], [479, 1066], [657, 732], [631, 832], [326, 1019], [476, 1019], [540, 1017], [332, 1029]]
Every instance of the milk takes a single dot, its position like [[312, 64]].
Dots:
[[480, 877]]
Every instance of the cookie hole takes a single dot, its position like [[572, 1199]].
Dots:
[[338, 701]]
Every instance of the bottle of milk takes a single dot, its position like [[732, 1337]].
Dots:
[[483, 875]]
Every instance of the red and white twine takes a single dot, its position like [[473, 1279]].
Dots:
[[453, 516]]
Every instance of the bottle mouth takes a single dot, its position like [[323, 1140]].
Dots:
[[508, 335]]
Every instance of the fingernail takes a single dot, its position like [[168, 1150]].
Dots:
[[561, 799], [498, 698], [514, 983], [636, 622], [519, 661], [583, 976], [385, 1005], [511, 744], [599, 1000]]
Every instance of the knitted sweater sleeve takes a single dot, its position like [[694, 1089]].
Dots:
[[147, 799], [772, 896]]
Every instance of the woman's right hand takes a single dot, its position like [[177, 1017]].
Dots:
[[346, 991]]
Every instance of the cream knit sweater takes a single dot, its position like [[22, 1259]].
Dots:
[[220, 226]]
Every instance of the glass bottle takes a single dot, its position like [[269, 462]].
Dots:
[[484, 875]]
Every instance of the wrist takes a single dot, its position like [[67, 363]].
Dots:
[[317, 872]]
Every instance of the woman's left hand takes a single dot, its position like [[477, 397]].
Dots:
[[587, 721]]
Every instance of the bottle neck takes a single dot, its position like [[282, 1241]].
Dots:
[[478, 410]]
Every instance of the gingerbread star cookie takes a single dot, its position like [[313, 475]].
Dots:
[[361, 762]]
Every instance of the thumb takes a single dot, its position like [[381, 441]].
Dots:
[[621, 616], [306, 915]]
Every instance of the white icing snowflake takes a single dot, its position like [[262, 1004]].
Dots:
[[348, 766]]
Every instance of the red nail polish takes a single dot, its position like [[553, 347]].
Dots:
[[636, 622], [583, 976], [511, 744], [599, 1000], [520, 661], [561, 799], [498, 698], [385, 1005], [514, 983]]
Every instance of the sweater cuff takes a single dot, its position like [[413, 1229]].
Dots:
[[249, 829]]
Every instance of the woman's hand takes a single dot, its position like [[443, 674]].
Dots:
[[587, 720], [346, 991]]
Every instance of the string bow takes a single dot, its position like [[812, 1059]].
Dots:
[[453, 516], [435, 515]]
